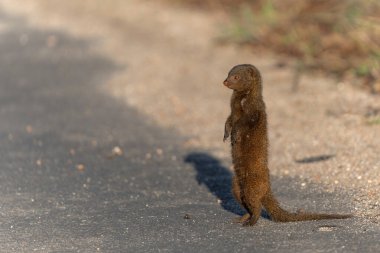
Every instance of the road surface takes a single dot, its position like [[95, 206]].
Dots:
[[83, 172]]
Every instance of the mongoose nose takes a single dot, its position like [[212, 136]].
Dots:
[[225, 82]]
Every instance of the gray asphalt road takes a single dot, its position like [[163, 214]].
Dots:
[[62, 190]]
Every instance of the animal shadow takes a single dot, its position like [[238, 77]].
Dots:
[[216, 177], [313, 159]]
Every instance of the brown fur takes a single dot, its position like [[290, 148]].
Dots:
[[247, 126]]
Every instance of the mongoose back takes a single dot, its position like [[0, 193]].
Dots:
[[247, 125]]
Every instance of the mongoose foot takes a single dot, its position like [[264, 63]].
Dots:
[[251, 221], [242, 219]]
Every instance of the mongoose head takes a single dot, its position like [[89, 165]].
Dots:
[[244, 77]]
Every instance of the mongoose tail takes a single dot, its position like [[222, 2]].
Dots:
[[280, 215]]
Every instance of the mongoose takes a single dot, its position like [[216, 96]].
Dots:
[[247, 125]]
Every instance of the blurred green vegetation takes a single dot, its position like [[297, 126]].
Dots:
[[374, 121], [341, 37]]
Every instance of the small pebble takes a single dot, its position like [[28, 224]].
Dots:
[[94, 143], [39, 162], [72, 151], [159, 151], [80, 167], [51, 41], [116, 151], [29, 129]]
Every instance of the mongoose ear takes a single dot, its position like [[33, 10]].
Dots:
[[251, 72]]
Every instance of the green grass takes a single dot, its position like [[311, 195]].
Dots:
[[341, 37], [374, 121]]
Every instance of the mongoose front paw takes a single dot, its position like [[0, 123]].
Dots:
[[235, 138], [226, 135]]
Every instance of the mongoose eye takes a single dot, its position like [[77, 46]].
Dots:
[[236, 77]]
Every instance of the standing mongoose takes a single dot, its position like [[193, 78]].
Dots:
[[247, 125]]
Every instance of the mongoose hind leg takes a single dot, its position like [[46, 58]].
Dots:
[[254, 210], [252, 201], [236, 190], [237, 194]]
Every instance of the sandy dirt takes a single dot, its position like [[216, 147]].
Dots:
[[172, 68]]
